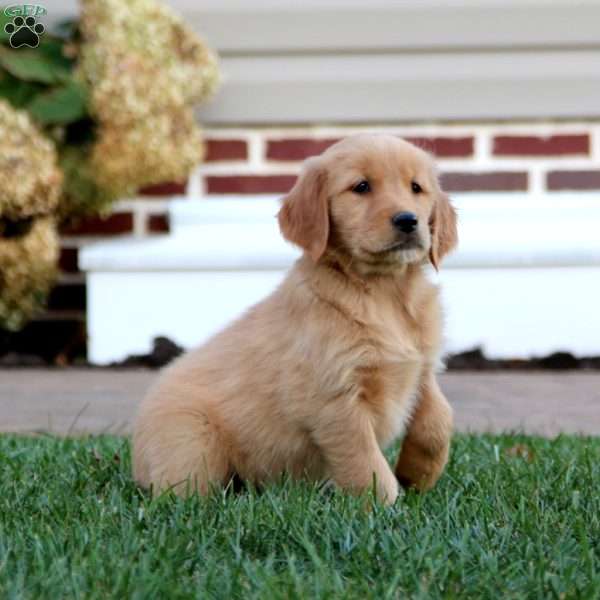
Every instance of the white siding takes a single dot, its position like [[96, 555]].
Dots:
[[349, 61]]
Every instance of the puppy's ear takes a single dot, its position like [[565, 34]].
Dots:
[[444, 234], [304, 215]]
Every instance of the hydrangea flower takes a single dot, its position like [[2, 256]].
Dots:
[[31, 184]]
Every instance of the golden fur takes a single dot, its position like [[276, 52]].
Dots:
[[338, 361]]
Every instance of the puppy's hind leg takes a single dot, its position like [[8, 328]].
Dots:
[[179, 450]]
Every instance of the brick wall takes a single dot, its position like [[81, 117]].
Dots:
[[531, 158], [526, 158]]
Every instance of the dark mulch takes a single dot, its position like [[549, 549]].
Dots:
[[163, 352], [48, 350], [56, 343], [44, 342], [476, 360]]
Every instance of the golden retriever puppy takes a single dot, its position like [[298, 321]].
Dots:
[[339, 360]]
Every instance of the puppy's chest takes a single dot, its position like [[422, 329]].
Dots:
[[388, 391], [389, 379], [393, 336]]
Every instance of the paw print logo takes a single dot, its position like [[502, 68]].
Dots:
[[24, 32]]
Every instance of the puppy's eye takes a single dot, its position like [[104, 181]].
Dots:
[[416, 188], [362, 187]]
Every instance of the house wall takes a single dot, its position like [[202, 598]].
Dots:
[[505, 93]]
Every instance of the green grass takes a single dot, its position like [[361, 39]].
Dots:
[[513, 517]]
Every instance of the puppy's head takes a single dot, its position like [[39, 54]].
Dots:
[[375, 198]]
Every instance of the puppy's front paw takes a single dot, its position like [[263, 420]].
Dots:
[[387, 489], [419, 469]]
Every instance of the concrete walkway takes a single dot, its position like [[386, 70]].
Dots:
[[75, 402]]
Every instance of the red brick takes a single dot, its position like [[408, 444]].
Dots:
[[493, 181], [169, 188], [250, 184], [527, 145], [117, 223], [445, 147], [573, 180], [157, 223], [217, 150], [68, 260], [294, 149], [297, 148], [67, 296]]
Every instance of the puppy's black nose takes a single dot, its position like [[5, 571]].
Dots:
[[405, 221]]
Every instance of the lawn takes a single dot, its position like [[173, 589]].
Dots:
[[514, 517]]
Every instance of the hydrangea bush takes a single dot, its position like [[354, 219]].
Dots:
[[106, 108]]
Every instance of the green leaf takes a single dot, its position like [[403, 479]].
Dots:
[[52, 50], [65, 30], [31, 65], [18, 93], [4, 19], [60, 105]]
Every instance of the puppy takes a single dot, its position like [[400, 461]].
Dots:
[[339, 360]]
